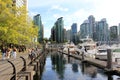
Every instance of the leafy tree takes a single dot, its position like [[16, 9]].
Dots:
[[15, 26]]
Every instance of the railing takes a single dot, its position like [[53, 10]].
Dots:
[[10, 68], [19, 68]]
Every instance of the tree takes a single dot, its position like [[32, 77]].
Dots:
[[15, 27]]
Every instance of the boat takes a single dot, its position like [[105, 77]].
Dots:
[[71, 47], [89, 47], [101, 54]]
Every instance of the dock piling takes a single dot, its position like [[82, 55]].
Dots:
[[68, 51], [82, 56], [109, 59]]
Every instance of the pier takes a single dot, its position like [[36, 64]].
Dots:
[[22, 68], [109, 67]]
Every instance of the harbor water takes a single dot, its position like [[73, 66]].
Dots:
[[62, 67]]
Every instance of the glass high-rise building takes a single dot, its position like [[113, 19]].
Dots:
[[38, 22], [119, 32], [73, 32], [74, 28], [88, 28], [102, 31], [58, 30], [85, 29], [114, 33], [68, 35], [92, 28]]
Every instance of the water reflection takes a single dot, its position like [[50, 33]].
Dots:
[[75, 67], [89, 69], [62, 67], [58, 64]]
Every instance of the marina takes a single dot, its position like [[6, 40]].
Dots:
[[62, 67], [54, 64]]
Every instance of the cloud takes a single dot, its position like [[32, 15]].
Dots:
[[57, 7], [108, 9], [43, 3], [76, 11], [56, 16], [75, 17]]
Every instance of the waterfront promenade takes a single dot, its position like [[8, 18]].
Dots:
[[22, 68]]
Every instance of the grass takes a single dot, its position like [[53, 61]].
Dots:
[[116, 50]]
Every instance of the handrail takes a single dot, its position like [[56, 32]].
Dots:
[[17, 65], [14, 70], [14, 66], [25, 65]]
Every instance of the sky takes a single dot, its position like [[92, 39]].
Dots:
[[74, 11]]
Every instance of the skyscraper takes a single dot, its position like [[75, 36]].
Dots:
[[65, 35], [74, 28], [102, 31], [114, 33], [38, 22], [92, 28], [73, 32], [68, 32], [53, 35], [58, 30], [85, 29], [119, 32]]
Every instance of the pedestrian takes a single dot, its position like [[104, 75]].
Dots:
[[3, 50], [33, 55], [14, 52], [8, 51], [29, 53]]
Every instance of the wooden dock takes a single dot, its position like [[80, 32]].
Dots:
[[113, 70]]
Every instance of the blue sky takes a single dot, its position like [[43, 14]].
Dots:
[[74, 11]]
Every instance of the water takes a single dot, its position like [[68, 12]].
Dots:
[[62, 67]]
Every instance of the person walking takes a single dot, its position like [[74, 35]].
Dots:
[[29, 53], [33, 54], [14, 52], [3, 50], [8, 51]]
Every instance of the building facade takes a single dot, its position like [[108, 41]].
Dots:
[[85, 29], [102, 31], [19, 3], [73, 32], [38, 22], [119, 32], [68, 33], [58, 31], [114, 33], [92, 28]]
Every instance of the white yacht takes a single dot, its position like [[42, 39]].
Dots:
[[101, 54], [89, 47], [71, 47]]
